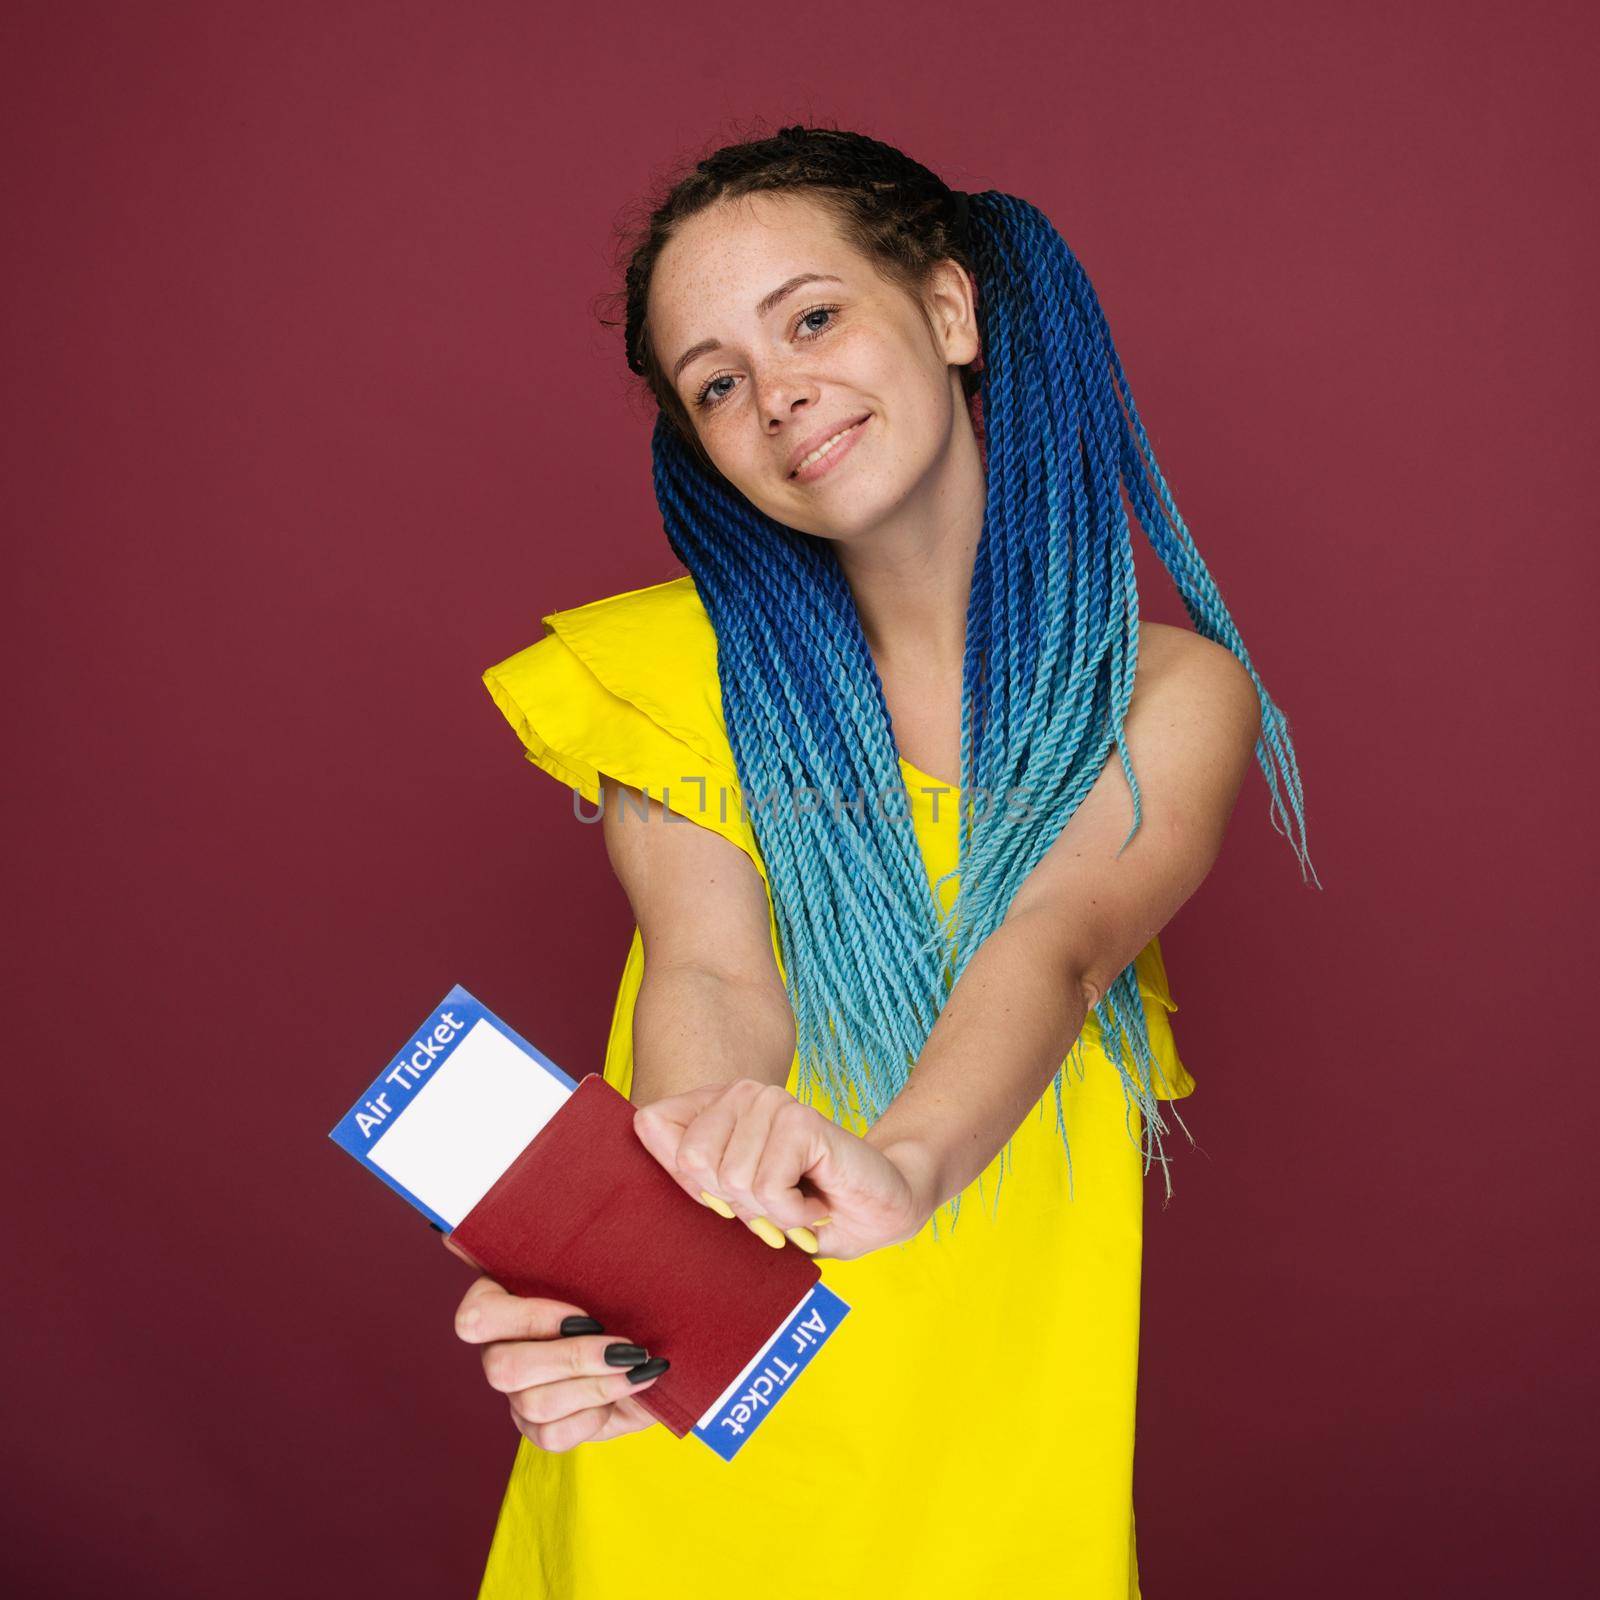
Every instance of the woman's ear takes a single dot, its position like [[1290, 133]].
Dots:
[[952, 307]]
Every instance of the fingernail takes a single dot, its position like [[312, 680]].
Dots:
[[652, 1368], [816, 1222], [803, 1237], [721, 1207], [625, 1355], [764, 1230], [576, 1325]]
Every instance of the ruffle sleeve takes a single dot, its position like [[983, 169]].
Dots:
[[594, 695], [1151, 971]]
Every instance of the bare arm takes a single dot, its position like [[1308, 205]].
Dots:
[[1080, 917], [711, 1006]]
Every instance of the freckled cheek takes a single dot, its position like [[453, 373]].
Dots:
[[862, 361]]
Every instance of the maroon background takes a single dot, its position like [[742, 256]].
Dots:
[[308, 421]]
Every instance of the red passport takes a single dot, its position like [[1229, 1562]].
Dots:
[[542, 1182], [586, 1214]]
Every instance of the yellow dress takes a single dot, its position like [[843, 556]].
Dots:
[[968, 1430]]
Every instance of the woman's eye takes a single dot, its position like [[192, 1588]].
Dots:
[[805, 328], [706, 388]]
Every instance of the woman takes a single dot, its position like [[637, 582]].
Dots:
[[892, 440]]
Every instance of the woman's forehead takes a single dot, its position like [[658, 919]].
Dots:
[[735, 245], [718, 272]]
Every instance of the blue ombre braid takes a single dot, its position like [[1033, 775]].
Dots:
[[1048, 673]]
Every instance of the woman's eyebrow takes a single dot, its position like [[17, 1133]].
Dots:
[[763, 306]]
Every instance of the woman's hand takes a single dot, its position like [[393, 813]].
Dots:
[[769, 1157], [562, 1390]]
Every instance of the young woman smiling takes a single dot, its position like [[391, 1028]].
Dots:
[[892, 443]]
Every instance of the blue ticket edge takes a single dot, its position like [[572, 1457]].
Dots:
[[748, 1401], [404, 1074]]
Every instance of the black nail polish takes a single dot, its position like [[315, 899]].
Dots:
[[652, 1368], [576, 1325], [625, 1355]]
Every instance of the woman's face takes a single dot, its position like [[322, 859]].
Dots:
[[778, 365]]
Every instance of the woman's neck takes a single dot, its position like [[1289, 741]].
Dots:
[[911, 578]]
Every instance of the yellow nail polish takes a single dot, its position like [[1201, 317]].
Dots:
[[817, 1222], [765, 1231], [803, 1237], [721, 1207]]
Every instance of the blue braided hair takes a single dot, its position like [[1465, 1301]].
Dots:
[[1051, 641]]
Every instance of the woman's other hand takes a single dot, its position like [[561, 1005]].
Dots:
[[562, 1390], [782, 1165]]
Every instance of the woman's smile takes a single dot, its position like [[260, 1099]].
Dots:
[[829, 454]]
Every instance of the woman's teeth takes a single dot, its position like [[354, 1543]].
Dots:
[[823, 449]]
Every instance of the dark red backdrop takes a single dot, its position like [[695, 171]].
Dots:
[[308, 420]]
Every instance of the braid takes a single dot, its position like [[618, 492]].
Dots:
[[1051, 645]]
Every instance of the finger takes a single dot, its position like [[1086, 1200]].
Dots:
[[487, 1313], [513, 1364], [627, 1416], [550, 1402], [746, 1147], [699, 1159], [569, 1431], [660, 1124], [608, 1422], [797, 1147]]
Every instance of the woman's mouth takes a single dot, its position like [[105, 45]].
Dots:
[[829, 453]]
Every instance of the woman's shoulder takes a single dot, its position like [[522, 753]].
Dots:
[[1164, 646]]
